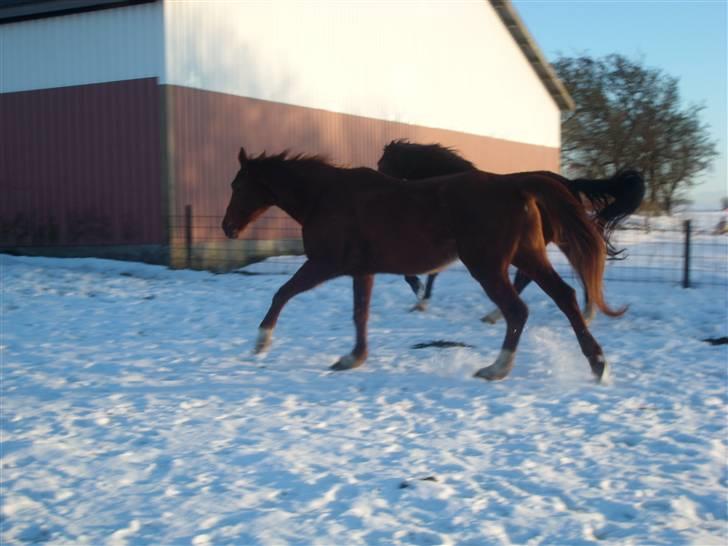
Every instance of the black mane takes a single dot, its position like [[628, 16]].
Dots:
[[404, 159], [285, 157]]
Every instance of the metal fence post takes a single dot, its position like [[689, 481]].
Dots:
[[687, 228], [188, 234]]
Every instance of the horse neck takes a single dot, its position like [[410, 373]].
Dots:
[[295, 186]]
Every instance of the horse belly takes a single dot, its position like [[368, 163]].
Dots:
[[411, 257]]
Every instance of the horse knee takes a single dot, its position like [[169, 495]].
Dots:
[[280, 298]]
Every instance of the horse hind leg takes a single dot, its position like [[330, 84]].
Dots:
[[416, 285], [589, 312], [520, 282], [500, 290], [424, 297], [542, 272]]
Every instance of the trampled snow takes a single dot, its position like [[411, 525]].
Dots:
[[133, 413]]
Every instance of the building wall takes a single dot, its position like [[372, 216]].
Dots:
[[446, 65], [81, 129], [81, 165]]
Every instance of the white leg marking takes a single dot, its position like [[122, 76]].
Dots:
[[590, 311], [606, 378], [265, 336], [494, 316], [348, 362], [421, 305], [500, 368]]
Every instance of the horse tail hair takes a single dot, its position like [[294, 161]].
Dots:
[[613, 200], [577, 236]]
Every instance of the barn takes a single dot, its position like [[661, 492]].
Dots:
[[121, 120]]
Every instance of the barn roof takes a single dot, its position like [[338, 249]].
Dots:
[[525, 41], [20, 10]]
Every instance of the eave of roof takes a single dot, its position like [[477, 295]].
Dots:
[[13, 11], [525, 41]]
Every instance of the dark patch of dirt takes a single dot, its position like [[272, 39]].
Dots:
[[717, 340], [440, 344]]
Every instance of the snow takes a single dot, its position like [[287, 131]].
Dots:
[[133, 413]]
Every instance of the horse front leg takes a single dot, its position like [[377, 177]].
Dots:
[[362, 296], [309, 275]]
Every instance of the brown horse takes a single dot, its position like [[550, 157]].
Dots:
[[611, 200], [359, 222]]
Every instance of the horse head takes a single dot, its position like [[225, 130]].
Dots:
[[250, 199]]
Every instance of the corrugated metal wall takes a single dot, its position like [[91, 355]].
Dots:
[[81, 165]]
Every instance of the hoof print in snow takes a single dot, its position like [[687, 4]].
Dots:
[[34, 535]]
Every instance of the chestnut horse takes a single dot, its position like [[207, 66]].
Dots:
[[611, 200], [359, 222]]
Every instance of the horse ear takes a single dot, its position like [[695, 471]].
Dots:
[[242, 157]]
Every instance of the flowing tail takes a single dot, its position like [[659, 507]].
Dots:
[[613, 200], [576, 236]]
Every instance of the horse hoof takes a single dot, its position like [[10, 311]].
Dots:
[[348, 362], [420, 306], [490, 374], [492, 317], [500, 368], [605, 378], [265, 338], [599, 368]]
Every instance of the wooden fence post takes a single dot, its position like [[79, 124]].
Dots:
[[687, 228], [188, 234]]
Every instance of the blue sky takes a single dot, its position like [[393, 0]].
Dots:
[[686, 39]]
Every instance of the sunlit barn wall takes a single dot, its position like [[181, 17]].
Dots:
[[80, 124], [448, 65]]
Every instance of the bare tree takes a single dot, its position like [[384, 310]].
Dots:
[[628, 115]]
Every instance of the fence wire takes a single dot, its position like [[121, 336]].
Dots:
[[654, 251]]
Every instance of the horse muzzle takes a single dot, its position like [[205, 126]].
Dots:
[[231, 232]]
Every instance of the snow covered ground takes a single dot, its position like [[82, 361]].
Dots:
[[133, 413]]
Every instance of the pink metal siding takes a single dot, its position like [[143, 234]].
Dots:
[[82, 166]]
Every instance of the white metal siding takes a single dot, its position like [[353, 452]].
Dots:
[[93, 47], [443, 64]]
